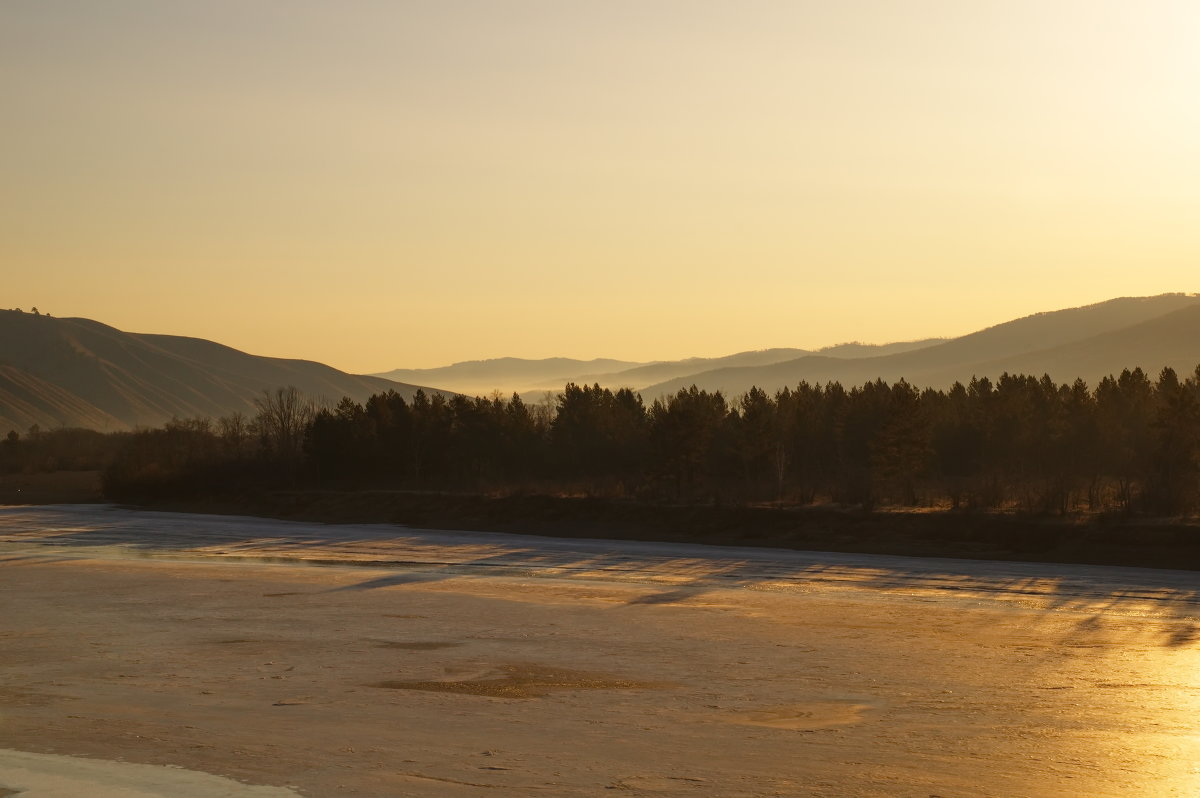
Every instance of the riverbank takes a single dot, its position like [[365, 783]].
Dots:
[[1093, 540], [54, 487], [1110, 539]]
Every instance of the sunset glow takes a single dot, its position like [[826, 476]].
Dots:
[[376, 185]]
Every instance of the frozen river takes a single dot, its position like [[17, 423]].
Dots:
[[379, 660]]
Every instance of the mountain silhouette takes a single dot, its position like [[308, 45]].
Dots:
[[77, 372], [1088, 342], [509, 374]]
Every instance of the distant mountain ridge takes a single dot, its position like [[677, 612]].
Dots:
[[520, 375], [1088, 342], [654, 372], [481, 377], [78, 372]]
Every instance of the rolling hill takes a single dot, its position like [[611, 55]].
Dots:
[[1088, 342], [77, 372]]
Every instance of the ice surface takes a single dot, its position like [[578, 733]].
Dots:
[[423, 662]]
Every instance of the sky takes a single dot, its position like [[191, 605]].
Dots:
[[378, 185]]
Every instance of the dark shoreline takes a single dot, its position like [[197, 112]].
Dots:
[[1097, 540]]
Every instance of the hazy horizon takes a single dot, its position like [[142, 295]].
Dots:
[[384, 185], [604, 356]]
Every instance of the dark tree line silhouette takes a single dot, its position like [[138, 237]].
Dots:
[[1131, 444], [66, 449]]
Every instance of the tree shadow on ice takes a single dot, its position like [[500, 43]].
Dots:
[[392, 580], [668, 597], [1169, 600], [1187, 634], [1169, 608]]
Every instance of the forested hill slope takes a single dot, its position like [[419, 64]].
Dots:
[[1089, 342], [77, 372]]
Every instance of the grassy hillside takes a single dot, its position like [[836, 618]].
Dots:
[[78, 372]]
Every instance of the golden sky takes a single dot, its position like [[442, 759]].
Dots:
[[398, 184]]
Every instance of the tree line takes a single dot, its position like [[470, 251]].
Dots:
[[63, 449], [1132, 444]]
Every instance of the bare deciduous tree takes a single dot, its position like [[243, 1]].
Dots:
[[235, 433], [283, 416]]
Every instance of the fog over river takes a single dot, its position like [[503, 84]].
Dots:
[[270, 658]]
